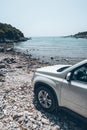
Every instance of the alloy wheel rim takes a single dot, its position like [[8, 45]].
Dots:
[[44, 99]]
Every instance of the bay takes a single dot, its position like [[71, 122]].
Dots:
[[54, 46]]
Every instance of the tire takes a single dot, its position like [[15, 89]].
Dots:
[[46, 97]]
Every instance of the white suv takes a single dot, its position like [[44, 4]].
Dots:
[[62, 85]]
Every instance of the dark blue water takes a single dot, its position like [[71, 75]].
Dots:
[[55, 46]]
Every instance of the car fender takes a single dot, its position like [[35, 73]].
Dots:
[[50, 83]]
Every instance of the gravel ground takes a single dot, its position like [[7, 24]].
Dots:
[[18, 108]]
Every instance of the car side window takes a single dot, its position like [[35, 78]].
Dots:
[[80, 74]]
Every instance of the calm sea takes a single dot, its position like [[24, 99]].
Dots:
[[54, 46]]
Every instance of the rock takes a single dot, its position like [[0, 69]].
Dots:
[[20, 121], [26, 120], [32, 120], [1, 115], [56, 128], [5, 112], [1, 125], [2, 106], [16, 117], [12, 60], [10, 118], [51, 58], [9, 49], [15, 107], [1, 74], [2, 79], [23, 128], [45, 121], [1, 49], [39, 116], [19, 66], [1, 61], [28, 113], [9, 60], [34, 126], [2, 66]]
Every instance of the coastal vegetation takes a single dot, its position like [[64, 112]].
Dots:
[[9, 34], [79, 35]]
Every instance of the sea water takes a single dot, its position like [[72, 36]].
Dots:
[[54, 46]]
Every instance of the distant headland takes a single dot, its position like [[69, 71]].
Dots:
[[79, 35], [10, 34]]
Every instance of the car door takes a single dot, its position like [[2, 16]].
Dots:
[[74, 92]]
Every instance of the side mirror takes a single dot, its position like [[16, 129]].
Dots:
[[68, 76]]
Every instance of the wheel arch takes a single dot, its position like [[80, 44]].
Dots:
[[38, 83]]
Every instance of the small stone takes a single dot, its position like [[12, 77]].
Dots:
[[10, 118], [19, 66], [16, 117], [23, 128], [51, 58], [2, 66], [30, 124], [45, 121], [1, 115], [1, 125], [31, 119], [25, 121], [15, 107], [18, 129], [12, 100], [2, 79], [56, 128], [1, 49], [39, 116], [5, 112], [28, 113], [34, 126], [20, 120]]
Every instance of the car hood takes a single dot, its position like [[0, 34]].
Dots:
[[52, 69]]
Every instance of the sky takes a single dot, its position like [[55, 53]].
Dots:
[[45, 17]]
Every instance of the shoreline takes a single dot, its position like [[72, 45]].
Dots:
[[58, 60], [52, 60]]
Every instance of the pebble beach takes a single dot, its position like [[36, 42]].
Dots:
[[18, 108]]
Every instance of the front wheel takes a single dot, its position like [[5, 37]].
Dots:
[[46, 98]]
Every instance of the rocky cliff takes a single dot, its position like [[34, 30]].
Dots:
[[80, 35], [10, 34]]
